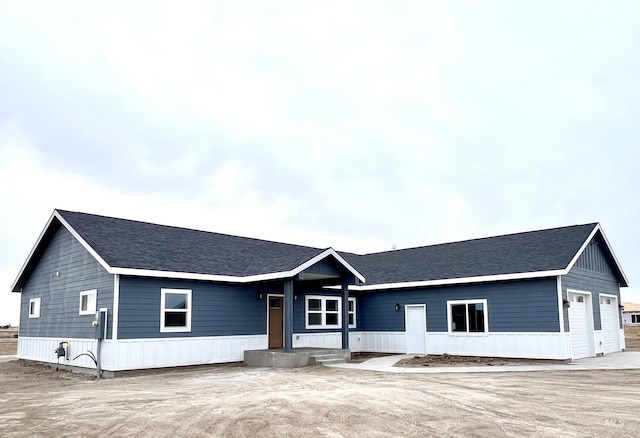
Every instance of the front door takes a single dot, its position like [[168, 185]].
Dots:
[[275, 320]]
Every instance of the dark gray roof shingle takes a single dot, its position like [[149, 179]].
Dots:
[[534, 251], [139, 245], [131, 244]]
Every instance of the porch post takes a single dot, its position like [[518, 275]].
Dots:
[[345, 316], [288, 316]]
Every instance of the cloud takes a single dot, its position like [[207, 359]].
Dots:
[[358, 125]]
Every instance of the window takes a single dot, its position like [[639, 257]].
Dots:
[[352, 313], [34, 308], [175, 310], [468, 316], [635, 318], [88, 300], [323, 312]]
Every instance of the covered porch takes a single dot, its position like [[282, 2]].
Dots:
[[314, 301]]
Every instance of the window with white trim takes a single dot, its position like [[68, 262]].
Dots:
[[468, 316], [34, 308], [635, 318], [322, 312], [352, 312], [175, 310], [88, 299]]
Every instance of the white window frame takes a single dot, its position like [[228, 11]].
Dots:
[[36, 313], [636, 316], [92, 298], [354, 313], [323, 312], [467, 302], [163, 310]]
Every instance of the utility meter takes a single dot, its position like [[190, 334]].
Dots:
[[100, 324]]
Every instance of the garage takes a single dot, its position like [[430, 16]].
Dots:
[[580, 325], [610, 324]]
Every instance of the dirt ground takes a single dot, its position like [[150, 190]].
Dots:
[[632, 337], [440, 360], [235, 401], [8, 346]]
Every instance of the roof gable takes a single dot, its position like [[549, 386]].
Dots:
[[549, 252], [139, 248]]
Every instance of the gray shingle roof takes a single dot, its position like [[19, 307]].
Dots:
[[139, 245], [534, 251]]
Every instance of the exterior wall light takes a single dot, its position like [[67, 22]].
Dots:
[[397, 306], [566, 302], [259, 295]]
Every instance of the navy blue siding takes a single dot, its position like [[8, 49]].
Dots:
[[60, 295], [514, 306], [218, 309], [591, 273]]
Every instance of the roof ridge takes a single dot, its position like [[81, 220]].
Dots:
[[477, 239]]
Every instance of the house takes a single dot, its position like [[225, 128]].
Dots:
[[164, 296], [631, 314]]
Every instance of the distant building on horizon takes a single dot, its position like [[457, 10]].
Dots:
[[631, 314]]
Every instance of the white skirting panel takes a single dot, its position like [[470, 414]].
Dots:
[[519, 345], [133, 354], [42, 350], [383, 342], [318, 340], [387, 342]]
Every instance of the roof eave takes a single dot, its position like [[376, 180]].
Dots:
[[454, 281], [618, 266], [281, 275], [56, 215]]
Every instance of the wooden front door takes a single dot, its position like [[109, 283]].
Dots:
[[276, 318]]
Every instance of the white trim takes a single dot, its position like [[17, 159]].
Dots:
[[485, 315], [268, 315], [235, 279], [82, 241], [609, 247], [615, 259], [91, 310], [450, 281], [560, 304], [581, 250], [33, 250], [36, 313], [322, 312], [187, 311], [116, 306], [355, 312]]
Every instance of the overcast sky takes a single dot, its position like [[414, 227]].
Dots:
[[356, 125]]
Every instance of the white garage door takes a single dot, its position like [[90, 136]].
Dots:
[[610, 324], [581, 332], [416, 328]]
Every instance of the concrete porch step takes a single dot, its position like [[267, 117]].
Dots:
[[326, 359]]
